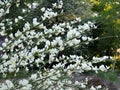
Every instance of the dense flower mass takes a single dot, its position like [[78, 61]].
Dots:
[[40, 43]]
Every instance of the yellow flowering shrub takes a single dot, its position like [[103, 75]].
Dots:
[[96, 2], [107, 7]]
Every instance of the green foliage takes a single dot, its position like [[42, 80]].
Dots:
[[108, 29], [109, 75]]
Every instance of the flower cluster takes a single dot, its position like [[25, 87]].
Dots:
[[37, 44]]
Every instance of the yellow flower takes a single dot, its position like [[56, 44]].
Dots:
[[107, 7], [117, 57], [118, 21], [96, 2], [111, 65]]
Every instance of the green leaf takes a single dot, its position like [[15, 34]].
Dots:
[[110, 76]]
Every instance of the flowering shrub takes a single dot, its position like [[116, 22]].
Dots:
[[28, 42]]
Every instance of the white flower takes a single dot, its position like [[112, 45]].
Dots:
[[35, 23], [49, 14], [1, 3], [75, 41], [102, 68], [90, 39], [84, 38], [11, 69], [4, 87], [47, 44], [4, 44], [93, 88], [41, 26], [82, 85], [70, 43], [24, 10], [85, 66], [69, 34], [1, 12], [29, 5], [61, 48], [53, 51], [28, 87], [34, 5], [23, 82], [77, 34], [78, 19], [9, 84], [54, 43], [60, 5], [33, 77], [20, 17], [95, 14], [17, 70], [99, 87], [86, 27], [59, 41], [117, 3], [11, 36], [54, 5], [18, 33], [6, 40], [1, 48], [16, 20], [5, 56], [95, 69], [58, 65], [43, 9], [27, 26], [77, 83]]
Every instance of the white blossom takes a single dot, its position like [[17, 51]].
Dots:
[[27, 26], [9, 84], [35, 23], [102, 68], [33, 77], [37, 43], [1, 12], [34, 5], [18, 33], [93, 88], [99, 87], [16, 20], [43, 9], [82, 85], [84, 38], [20, 17], [86, 27], [4, 87], [23, 82], [5, 56]]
